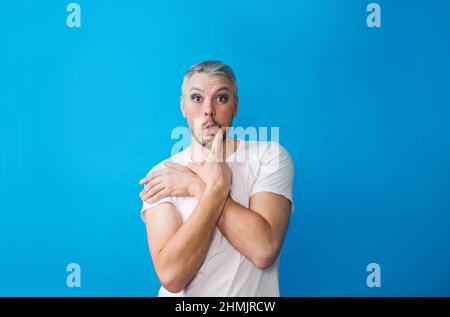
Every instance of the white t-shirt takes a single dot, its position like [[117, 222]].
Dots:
[[256, 166]]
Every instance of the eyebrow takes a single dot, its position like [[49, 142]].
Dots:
[[222, 88]]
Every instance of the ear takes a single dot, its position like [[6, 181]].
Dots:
[[236, 105], [183, 111]]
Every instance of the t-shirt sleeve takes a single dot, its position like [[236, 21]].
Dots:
[[146, 205], [275, 173]]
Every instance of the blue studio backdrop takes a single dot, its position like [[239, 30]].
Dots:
[[86, 111]]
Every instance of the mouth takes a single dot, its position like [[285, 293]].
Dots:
[[211, 129]]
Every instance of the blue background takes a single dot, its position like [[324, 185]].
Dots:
[[85, 113]]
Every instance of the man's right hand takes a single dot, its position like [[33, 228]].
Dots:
[[214, 172]]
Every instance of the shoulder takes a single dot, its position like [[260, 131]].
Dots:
[[159, 205], [267, 150], [274, 157], [176, 158], [275, 170]]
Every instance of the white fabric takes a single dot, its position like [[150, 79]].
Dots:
[[256, 166]]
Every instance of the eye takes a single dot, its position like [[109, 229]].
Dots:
[[196, 98], [222, 99]]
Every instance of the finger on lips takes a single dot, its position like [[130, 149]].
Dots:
[[217, 146]]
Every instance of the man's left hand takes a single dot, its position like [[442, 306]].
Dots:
[[175, 180]]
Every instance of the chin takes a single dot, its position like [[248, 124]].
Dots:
[[207, 142]]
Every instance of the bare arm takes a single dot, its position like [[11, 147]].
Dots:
[[177, 249], [258, 231]]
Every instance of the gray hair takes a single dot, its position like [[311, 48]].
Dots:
[[211, 68]]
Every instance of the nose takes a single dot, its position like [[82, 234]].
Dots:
[[209, 109]]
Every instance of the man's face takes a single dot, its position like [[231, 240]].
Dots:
[[208, 102]]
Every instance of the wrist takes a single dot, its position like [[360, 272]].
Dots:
[[218, 188], [197, 188]]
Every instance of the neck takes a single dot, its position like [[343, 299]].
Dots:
[[198, 152]]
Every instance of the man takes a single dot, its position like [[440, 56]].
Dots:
[[217, 212]]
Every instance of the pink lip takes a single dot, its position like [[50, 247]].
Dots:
[[212, 129], [209, 125]]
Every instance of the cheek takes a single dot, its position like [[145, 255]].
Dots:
[[193, 115], [224, 112], [193, 111]]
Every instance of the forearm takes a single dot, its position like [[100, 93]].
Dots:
[[248, 232], [182, 256]]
